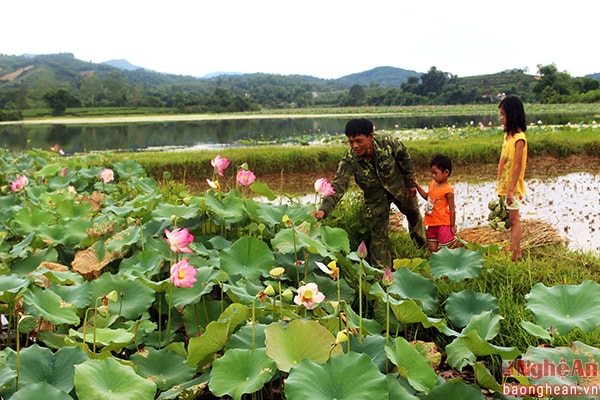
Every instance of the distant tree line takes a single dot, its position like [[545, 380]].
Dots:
[[66, 87]]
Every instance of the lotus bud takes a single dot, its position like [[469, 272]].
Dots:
[[362, 252]]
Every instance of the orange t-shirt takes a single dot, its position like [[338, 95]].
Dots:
[[436, 197]]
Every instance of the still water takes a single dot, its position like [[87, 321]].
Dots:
[[140, 136]]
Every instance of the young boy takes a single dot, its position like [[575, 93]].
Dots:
[[440, 214]]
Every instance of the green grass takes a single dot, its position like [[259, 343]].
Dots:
[[468, 147]]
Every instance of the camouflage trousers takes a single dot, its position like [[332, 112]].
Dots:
[[380, 249]]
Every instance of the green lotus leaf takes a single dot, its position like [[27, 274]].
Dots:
[[49, 170], [398, 390], [486, 324], [69, 208], [405, 311], [458, 354], [241, 371], [487, 249], [78, 295], [163, 367], [134, 297], [174, 392], [249, 337], [455, 390], [60, 277], [166, 211], [374, 347], [109, 379], [42, 390], [565, 307], [456, 264], [230, 208], [290, 241], [329, 288], [68, 233], [369, 326], [243, 290], [202, 348], [336, 239], [128, 169], [536, 330], [272, 214], [414, 286], [351, 376], [464, 349], [206, 277], [248, 257], [48, 305], [143, 263], [576, 364], [105, 336], [262, 189], [8, 375], [28, 220], [484, 378], [150, 187], [39, 364], [300, 339], [121, 240], [461, 306], [413, 366], [11, 285]]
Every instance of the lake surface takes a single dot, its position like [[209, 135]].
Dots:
[[140, 136]]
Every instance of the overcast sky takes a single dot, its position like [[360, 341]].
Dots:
[[322, 38]]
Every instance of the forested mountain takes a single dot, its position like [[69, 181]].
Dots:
[[59, 81]]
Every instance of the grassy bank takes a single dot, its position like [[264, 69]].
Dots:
[[469, 147]]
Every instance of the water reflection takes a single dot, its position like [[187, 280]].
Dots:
[[133, 136]]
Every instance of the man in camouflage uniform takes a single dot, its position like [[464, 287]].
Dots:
[[383, 169]]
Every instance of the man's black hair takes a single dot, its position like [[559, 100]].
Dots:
[[514, 113], [358, 126], [443, 162]]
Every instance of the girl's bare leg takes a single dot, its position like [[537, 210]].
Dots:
[[515, 234]]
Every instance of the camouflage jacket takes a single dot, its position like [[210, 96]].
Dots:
[[390, 171]]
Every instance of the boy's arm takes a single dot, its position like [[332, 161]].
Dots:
[[420, 189]]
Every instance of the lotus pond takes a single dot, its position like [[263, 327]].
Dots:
[[115, 286]]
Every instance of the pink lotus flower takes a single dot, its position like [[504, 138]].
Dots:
[[19, 184], [219, 164], [179, 240], [309, 296], [107, 175], [245, 177], [183, 274], [57, 149], [362, 252], [323, 188]]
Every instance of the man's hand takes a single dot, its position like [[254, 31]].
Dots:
[[318, 214], [411, 192]]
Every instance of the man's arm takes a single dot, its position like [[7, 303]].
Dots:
[[340, 184]]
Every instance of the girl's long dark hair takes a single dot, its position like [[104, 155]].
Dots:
[[514, 113]]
